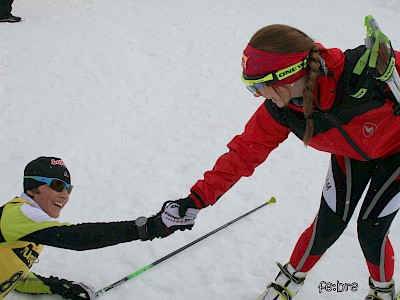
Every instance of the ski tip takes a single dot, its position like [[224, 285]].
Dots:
[[272, 200]]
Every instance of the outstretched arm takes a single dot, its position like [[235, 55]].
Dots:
[[88, 236], [248, 150], [85, 236], [262, 134]]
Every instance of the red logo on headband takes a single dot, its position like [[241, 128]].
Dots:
[[57, 162]]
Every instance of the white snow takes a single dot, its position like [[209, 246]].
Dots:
[[140, 98]]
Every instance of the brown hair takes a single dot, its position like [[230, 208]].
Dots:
[[34, 191], [283, 39]]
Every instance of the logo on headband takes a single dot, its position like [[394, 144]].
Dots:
[[244, 61], [289, 71], [57, 162]]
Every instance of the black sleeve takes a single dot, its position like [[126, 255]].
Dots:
[[85, 236]]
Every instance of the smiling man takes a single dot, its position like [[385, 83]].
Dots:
[[28, 222], [47, 181]]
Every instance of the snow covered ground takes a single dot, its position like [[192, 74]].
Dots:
[[139, 98]]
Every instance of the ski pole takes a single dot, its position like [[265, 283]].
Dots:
[[376, 41], [144, 269]]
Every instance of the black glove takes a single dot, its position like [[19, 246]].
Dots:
[[69, 289], [151, 228], [184, 204], [167, 221]]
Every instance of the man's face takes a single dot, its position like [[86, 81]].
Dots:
[[50, 200]]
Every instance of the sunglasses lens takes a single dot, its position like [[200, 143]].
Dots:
[[251, 89], [59, 186], [69, 189], [256, 88]]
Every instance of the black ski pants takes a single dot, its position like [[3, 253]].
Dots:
[[345, 183], [5, 7]]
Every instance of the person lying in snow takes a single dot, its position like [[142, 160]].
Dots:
[[28, 222]]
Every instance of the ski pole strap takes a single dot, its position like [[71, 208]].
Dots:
[[374, 38]]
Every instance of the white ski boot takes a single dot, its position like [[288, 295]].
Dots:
[[286, 284], [381, 290]]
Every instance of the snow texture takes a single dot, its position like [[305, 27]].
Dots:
[[140, 98]]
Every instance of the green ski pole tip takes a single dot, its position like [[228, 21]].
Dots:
[[272, 200]]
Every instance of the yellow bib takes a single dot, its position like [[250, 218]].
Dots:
[[15, 258]]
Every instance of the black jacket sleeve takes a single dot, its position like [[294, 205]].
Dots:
[[85, 236]]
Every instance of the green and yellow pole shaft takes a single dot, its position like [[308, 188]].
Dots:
[[149, 266]]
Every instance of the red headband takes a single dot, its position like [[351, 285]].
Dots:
[[257, 62]]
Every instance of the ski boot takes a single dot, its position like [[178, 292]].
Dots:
[[286, 284], [381, 290], [9, 18]]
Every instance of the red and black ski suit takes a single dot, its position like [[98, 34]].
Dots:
[[363, 136]]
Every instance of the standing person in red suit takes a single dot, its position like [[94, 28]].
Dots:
[[312, 91]]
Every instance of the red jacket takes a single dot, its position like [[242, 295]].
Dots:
[[361, 129]]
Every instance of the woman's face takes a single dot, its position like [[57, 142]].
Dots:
[[282, 94]]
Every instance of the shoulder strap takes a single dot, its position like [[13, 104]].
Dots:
[[357, 78]]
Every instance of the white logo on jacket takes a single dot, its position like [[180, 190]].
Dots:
[[369, 129], [329, 190]]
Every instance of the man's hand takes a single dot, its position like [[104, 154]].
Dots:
[[69, 289]]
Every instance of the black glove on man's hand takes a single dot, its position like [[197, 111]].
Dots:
[[69, 289]]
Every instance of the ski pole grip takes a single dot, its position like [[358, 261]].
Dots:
[[373, 23]]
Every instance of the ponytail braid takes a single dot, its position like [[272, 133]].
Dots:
[[308, 94]]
